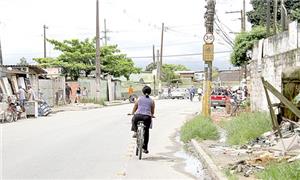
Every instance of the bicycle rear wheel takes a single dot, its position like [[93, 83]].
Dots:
[[9, 117], [141, 142]]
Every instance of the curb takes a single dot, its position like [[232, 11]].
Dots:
[[212, 168], [115, 104]]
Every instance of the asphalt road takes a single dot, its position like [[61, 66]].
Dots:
[[94, 144]]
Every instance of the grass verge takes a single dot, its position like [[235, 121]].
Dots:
[[229, 175], [279, 171], [199, 128], [246, 127]]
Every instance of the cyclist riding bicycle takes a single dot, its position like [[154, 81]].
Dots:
[[143, 110]]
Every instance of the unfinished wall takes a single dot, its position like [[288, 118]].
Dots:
[[270, 58], [53, 90]]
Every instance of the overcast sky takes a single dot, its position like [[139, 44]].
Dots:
[[135, 25]]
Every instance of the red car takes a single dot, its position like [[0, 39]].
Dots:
[[219, 98]]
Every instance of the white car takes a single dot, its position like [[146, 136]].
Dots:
[[179, 93]]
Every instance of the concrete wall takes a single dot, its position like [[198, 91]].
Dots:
[[270, 58], [53, 90]]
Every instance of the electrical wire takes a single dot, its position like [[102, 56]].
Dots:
[[178, 55]]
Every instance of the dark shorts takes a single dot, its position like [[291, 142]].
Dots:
[[140, 117]]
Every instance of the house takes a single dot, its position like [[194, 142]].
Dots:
[[186, 74], [229, 77], [13, 76]]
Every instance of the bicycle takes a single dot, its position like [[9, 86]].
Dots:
[[140, 139]]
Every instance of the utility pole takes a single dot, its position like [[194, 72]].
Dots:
[[158, 67], [105, 33], [153, 53], [268, 17], [243, 28], [208, 52], [154, 76], [1, 60], [98, 69], [45, 40], [161, 55], [275, 15], [244, 16]]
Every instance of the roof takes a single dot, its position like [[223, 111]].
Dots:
[[184, 72], [16, 68]]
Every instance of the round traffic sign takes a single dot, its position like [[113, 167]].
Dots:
[[208, 38]]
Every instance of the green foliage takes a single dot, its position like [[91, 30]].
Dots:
[[229, 175], [257, 17], [23, 61], [278, 171], [77, 56], [168, 71], [246, 127], [244, 42], [200, 128]]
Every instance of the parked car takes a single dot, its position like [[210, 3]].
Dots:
[[179, 93], [219, 97]]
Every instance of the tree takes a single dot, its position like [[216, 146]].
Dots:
[[23, 61], [77, 56], [244, 42], [257, 17], [168, 70]]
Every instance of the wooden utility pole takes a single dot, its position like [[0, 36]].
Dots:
[[244, 16], [1, 60], [158, 65], [162, 43], [45, 40], [98, 68], [154, 76], [268, 17], [158, 72], [105, 33], [208, 55], [161, 56], [153, 54], [275, 15]]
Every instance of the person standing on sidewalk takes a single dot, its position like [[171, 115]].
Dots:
[[31, 94], [68, 91], [78, 95], [22, 97]]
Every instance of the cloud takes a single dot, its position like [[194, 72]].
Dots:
[[133, 24]]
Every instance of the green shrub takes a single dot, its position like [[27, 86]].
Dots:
[[279, 171], [199, 128], [246, 127]]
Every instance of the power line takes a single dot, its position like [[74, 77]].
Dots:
[[178, 55]]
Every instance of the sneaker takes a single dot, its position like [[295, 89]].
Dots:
[[145, 151], [134, 135]]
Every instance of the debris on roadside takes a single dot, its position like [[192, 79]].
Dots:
[[244, 168]]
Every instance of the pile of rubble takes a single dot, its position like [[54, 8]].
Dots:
[[269, 148]]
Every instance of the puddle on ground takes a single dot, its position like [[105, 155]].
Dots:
[[192, 165]]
